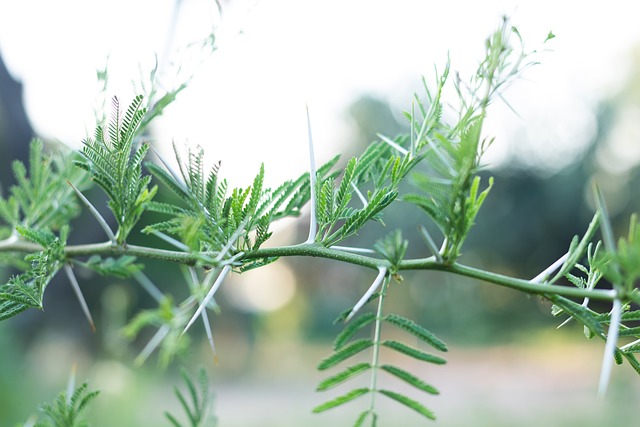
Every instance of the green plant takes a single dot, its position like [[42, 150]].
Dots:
[[216, 230], [65, 411]]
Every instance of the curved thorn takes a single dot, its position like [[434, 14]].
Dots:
[[382, 271], [544, 275]]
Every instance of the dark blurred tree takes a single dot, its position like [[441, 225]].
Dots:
[[15, 128]]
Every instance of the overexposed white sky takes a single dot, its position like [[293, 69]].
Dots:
[[246, 103]]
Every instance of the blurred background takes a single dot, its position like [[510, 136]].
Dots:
[[356, 64]]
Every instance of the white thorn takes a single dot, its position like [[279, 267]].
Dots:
[[393, 144], [148, 286], [153, 343], [209, 295], [430, 243], [547, 271], [207, 328], [76, 288], [178, 244], [95, 214], [352, 249], [610, 347], [313, 223], [360, 195], [382, 271]]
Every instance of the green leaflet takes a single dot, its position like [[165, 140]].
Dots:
[[577, 250], [410, 378], [633, 361], [42, 237], [352, 328], [199, 408], [344, 353], [379, 200], [65, 411], [10, 308], [363, 417], [353, 394], [416, 330], [410, 403], [413, 352], [635, 348], [629, 332], [342, 376], [578, 312]]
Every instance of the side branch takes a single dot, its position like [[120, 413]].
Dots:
[[510, 282]]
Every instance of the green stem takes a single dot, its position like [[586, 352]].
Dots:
[[375, 359], [316, 250]]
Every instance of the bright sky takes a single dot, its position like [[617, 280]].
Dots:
[[246, 103]]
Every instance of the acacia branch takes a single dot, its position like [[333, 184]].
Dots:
[[318, 251]]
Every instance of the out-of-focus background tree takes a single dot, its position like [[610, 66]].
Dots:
[[277, 322]]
